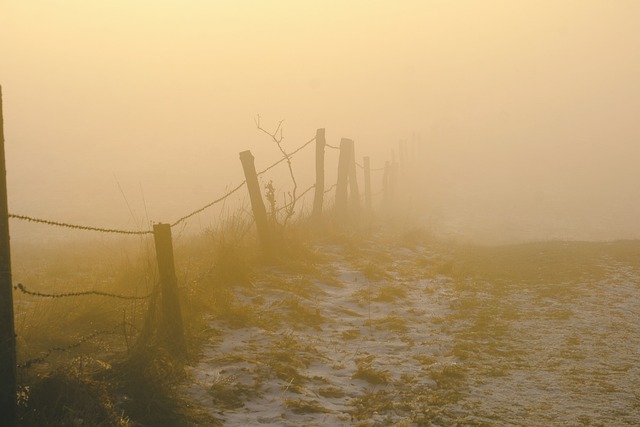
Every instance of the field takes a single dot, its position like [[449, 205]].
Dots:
[[376, 328], [404, 331]]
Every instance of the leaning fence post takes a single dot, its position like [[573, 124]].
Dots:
[[257, 205], [343, 176], [7, 329], [319, 195], [170, 327], [367, 183]]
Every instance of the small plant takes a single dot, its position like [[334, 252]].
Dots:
[[331, 392], [365, 371], [390, 293], [228, 393], [305, 406], [350, 334]]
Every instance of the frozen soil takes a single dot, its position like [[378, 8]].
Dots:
[[419, 334]]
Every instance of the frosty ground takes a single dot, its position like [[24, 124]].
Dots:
[[404, 331]]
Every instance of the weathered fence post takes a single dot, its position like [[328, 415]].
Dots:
[[385, 185], [170, 327], [393, 182], [319, 195], [353, 180], [402, 149], [7, 329], [343, 177], [257, 205], [367, 183]]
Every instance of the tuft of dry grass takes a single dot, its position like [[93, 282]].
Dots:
[[367, 372]]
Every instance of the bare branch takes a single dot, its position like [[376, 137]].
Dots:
[[290, 210]]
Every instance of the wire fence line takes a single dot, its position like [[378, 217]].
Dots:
[[300, 196], [207, 206], [63, 349], [333, 147], [75, 226], [220, 199], [180, 220], [370, 169], [24, 290], [288, 156], [330, 188]]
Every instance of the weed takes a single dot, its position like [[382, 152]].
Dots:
[[331, 392], [374, 272], [390, 293], [391, 323], [365, 371], [350, 334], [228, 393], [305, 406]]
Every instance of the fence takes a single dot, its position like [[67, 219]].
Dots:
[[164, 318]]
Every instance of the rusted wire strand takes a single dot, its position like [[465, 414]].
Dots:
[[63, 349], [220, 199], [75, 226], [207, 206], [24, 290], [297, 198], [184, 218], [330, 188], [284, 159], [370, 169]]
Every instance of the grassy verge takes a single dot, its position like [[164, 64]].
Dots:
[[79, 356]]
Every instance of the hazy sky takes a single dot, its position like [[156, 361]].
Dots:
[[527, 110]]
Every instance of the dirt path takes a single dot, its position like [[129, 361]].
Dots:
[[393, 336]]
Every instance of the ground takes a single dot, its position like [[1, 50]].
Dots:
[[380, 332]]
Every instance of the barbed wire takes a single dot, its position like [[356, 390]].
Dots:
[[370, 169], [24, 290], [220, 199], [306, 191], [331, 146], [297, 198], [330, 188], [75, 226], [284, 159], [27, 364], [207, 206], [184, 218]]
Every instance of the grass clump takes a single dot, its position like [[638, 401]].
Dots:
[[367, 372], [228, 393], [390, 293], [68, 398], [305, 406]]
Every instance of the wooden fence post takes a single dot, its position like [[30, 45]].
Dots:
[[7, 330], [353, 181], [319, 195], [343, 178], [367, 183], [393, 182], [170, 327], [257, 205], [386, 202], [402, 153]]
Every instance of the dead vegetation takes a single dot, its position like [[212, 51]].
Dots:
[[332, 329]]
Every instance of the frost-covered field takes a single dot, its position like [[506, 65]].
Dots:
[[420, 334]]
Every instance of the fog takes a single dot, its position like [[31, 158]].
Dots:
[[524, 114]]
